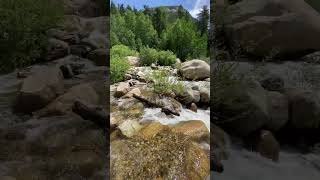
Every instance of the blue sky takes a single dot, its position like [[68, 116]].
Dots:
[[193, 6]]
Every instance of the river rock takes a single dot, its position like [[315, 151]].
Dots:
[[268, 146], [135, 91], [188, 96], [168, 155], [85, 8], [57, 49], [220, 142], [249, 110], [122, 89], [151, 130], [195, 70], [266, 27], [130, 128], [193, 107], [63, 104], [126, 109], [195, 129], [39, 89], [272, 83], [79, 50], [312, 58], [99, 56], [304, 108], [278, 109], [204, 95]]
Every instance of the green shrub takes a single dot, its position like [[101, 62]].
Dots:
[[122, 51], [148, 56], [162, 84], [23, 28], [162, 58], [118, 67]]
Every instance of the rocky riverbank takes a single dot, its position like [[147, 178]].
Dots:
[[270, 107], [41, 136], [161, 135]]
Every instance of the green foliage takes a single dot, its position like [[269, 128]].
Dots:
[[122, 51], [203, 18], [157, 28], [184, 40], [162, 58], [163, 85], [23, 28], [119, 65]]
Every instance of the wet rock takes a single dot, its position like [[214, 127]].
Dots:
[[193, 107], [151, 130], [220, 142], [57, 49], [194, 129], [273, 83], [128, 108], [66, 71], [99, 56], [195, 70], [39, 89], [304, 106], [167, 155], [268, 146], [130, 128], [79, 50], [188, 96], [122, 89], [204, 95], [63, 104], [278, 109]]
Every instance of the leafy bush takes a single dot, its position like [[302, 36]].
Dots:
[[163, 84], [162, 58], [23, 28], [118, 67], [122, 51], [148, 56]]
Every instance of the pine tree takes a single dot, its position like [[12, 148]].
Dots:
[[113, 8], [160, 19], [203, 20]]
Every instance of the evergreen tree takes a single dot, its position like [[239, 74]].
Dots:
[[203, 20], [113, 8], [160, 19]]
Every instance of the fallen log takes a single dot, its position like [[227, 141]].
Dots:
[[156, 105]]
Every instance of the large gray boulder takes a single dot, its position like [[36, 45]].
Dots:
[[304, 109], [287, 28], [246, 109], [195, 70], [40, 89]]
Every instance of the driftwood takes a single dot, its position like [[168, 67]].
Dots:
[[157, 105], [92, 113]]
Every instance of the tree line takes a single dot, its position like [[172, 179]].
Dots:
[[161, 29]]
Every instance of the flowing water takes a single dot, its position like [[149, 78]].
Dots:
[[185, 115], [245, 165]]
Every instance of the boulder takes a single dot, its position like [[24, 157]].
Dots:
[[205, 95], [195, 70], [166, 155], [64, 103], [268, 146], [130, 127], [278, 109], [272, 83], [151, 130], [39, 89], [57, 49], [85, 8], [248, 111], [195, 129], [188, 96], [135, 91], [312, 58], [122, 89], [79, 50], [193, 107], [304, 106], [266, 27], [99, 56]]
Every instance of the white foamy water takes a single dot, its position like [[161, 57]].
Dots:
[[245, 165], [155, 114]]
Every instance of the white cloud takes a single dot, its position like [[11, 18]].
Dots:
[[198, 6]]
